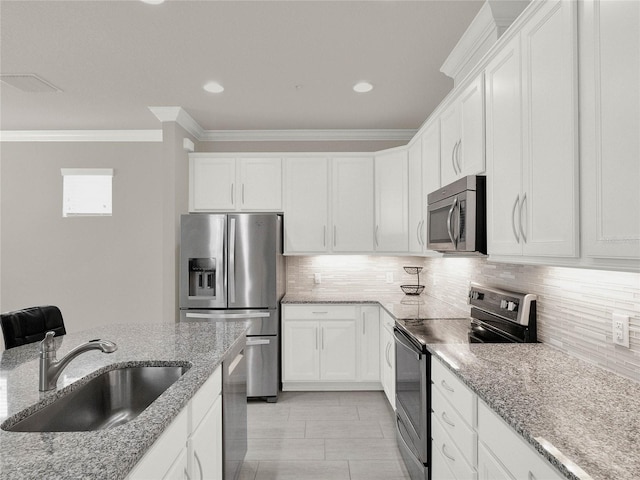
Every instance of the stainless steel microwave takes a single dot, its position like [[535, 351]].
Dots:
[[456, 217]]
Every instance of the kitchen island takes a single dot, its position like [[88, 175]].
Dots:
[[110, 453]]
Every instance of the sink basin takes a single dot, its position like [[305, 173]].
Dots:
[[108, 400]]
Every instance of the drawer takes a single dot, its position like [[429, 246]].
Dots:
[[454, 391], [205, 397], [450, 454], [517, 456], [319, 312], [450, 420]]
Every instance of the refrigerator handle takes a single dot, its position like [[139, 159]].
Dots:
[[232, 261], [223, 316]]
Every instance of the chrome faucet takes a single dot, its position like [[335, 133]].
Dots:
[[50, 368]]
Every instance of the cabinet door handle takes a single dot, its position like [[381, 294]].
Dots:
[[388, 352], [335, 235], [458, 156], [243, 194], [513, 219], [324, 236], [453, 157], [363, 323], [195, 454], [422, 234], [320, 313], [446, 419], [186, 474], [232, 199], [375, 236], [322, 337], [316, 338], [524, 199], [444, 452], [446, 386], [418, 233], [530, 475]]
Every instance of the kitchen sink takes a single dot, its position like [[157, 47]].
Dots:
[[112, 398]]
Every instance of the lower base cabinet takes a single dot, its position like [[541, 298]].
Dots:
[[191, 446], [388, 357]]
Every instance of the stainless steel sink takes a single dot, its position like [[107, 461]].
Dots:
[[111, 399]]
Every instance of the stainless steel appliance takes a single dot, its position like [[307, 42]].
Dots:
[[234, 411], [496, 316], [232, 269], [456, 217]]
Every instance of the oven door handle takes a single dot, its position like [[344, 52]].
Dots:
[[401, 340]]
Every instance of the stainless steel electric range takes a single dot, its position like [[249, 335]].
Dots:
[[497, 316]]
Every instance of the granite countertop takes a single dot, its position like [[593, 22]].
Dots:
[[572, 412], [110, 453], [398, 305]]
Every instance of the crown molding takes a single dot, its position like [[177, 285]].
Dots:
[[80, 135], [181, 117], [307, 135]]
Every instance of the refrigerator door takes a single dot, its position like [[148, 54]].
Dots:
[[262, 372], [203, 265], [253, 250]]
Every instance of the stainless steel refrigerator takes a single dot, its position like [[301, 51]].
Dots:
[[232, 268]]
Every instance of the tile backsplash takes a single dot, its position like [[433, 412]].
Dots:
[[574, 306]]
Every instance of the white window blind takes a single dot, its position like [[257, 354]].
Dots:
[[86, 191]]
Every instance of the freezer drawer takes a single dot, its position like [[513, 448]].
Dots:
[[261, 322], [262, 361]]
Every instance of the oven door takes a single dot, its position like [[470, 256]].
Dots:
[[412, 402], [452, 223]]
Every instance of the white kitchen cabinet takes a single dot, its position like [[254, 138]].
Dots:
[[388, 357], [205, 445], [329, 347], [306, 205], [352, 206], [510, 451], [489, 468], [179, 469], [417, 199], [369, 344], [391, 201], [234, 184], [610, 121], [532, 194], [462, 134]]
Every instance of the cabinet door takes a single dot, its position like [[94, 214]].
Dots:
[[206, 445], [369, 344], [211, 184], [178, 470], [470, 152], [391, 201], [388, 353], [352, 212], [430, 171], [449, 143], [300, 350], [306, 205], [260, 184], [610, 116], [504, 151], [416, 196], [338, 350], [489, 468], [550, 175]]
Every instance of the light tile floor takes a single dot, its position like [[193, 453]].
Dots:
[[323, 436]]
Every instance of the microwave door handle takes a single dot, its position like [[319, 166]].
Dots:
[[449, 217], [232, 261], [458, 224]]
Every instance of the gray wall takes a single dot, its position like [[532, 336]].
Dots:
[[98, 270]]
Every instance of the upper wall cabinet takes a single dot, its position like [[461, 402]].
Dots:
[[230, 184], [610, 116], [532, 88], [416, 196], [462, 134], [306, 203], [391, 200]]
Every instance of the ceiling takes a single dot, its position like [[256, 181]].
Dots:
[[284, 64]]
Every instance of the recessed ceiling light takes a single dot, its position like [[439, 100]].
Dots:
[[362, 87], [153, 2], [213, 87]]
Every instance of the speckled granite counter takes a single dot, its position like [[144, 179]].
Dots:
[[400, 306], [589, 415], [111, 453]]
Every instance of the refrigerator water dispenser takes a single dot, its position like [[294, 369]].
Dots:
[[202, 277]]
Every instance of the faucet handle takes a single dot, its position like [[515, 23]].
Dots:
[[48, 344]]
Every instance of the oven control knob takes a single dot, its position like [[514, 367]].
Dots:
[[512, 306], [503, 304]]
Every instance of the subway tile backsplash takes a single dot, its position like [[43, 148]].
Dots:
[[574, 305]]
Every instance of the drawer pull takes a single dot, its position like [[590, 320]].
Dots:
[[319, 312], [446, 387], [531, 476], [444, 452], [446, 420]]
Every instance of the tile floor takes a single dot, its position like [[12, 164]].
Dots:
[[323, 436]]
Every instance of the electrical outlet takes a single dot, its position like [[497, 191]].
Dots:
[[389, 277], [620, 327], [317, 278]]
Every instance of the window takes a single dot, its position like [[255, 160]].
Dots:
[[86, 191]]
